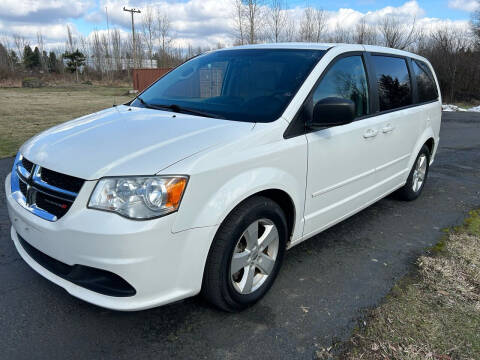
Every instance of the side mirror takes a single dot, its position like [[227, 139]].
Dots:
[[332, 111]]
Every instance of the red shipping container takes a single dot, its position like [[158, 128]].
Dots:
[[143, 78]]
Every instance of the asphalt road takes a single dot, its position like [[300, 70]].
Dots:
[[321, 293]]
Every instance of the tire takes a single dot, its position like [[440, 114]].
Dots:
[[234, 248], [417, 178]]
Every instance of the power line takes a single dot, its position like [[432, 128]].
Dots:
[[132, 12]]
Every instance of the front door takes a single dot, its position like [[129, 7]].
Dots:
[[342, 159]]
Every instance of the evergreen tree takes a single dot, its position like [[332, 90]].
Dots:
[[75, 61], [13, 58], [52, 62], [44, 60], [36, 58], [27, 57], [4, 58], [31, 59]]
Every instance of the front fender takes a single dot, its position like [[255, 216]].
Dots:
[[211, 210]]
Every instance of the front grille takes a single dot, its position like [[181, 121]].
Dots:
[[46, 193], [62, 181], [28, 165], [23, 188], [53, 205]]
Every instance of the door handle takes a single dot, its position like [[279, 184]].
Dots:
[[387, 129], [370, 133]]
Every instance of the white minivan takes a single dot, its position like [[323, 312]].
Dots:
[[201, 183]]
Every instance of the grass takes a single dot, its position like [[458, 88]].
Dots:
[[25, 112], [433, 313]]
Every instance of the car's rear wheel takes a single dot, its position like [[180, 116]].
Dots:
[[246, 255], [417, 177]]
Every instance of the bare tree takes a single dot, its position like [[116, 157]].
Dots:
[[397, 35], [107, 56], [320, 24], [254, 19], [20, 43], [139, 50], [164, 31], [307, 25], [290, 30], [83, 44], [4, 59], [364, 33], [97, 52], [10, 52], [41, 47], [71, 41], [313, 24], [475, 24], [239, 21], [447, 45], [277, 19], [340, 34], [116, 41], [149, 30]]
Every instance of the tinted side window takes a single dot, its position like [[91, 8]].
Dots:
[[394, 89], [427, 89], [346, 79]]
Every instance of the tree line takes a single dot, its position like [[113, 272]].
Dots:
[[454, 52]]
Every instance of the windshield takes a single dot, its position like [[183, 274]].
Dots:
[[253, 85]]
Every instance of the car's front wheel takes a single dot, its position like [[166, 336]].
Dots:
[[246, 254]]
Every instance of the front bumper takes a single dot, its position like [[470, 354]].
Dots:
[[161, 266]]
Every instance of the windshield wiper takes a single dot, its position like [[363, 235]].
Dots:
[[179, 109], [150, 106]]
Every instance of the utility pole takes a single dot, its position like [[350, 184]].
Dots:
[[133, 11]]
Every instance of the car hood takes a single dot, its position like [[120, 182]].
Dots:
[[127, 141]]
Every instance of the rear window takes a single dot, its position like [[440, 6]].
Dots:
[[427, 90], [394, 88]]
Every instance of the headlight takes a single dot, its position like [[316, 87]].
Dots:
[[139, 197]]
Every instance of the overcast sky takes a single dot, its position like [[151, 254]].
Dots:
[[204, 22]]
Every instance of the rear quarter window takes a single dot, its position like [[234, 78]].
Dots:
[[393, 82], [426, 87]]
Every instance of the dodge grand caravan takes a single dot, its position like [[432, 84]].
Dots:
[[201, 183]]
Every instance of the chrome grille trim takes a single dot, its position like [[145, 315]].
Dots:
[[20, 198], [34, 184], [37, 179], [24, 172]]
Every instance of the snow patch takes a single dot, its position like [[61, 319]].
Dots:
[[448, 107]]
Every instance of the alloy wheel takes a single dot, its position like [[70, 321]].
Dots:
[[419, 172], [254, 256]]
